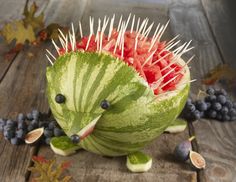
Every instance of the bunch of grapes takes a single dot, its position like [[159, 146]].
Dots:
[[15, 131], [216, 105]]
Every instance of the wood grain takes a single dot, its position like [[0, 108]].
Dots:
[[23, 88], [216, 141], [91, 167], [221, 17]]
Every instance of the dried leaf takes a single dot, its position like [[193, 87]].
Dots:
[[49, 170], [221, 71], [51, 31], [17, 31], [37, 22]]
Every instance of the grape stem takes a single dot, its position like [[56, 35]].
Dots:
[[191, 138]]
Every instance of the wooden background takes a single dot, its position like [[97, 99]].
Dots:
[[208, 23]]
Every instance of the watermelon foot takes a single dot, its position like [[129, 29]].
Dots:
[[138, 162]]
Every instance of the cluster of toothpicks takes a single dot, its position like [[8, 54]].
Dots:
[[133, 46]]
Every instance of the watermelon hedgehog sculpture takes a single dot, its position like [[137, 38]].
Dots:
[[115, 92]]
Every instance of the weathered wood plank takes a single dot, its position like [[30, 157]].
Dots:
[[22, 89], [221, 17], [215, 140], [7, 16], [91, 167]]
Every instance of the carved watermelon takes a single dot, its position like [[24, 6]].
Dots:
[[145, 84]]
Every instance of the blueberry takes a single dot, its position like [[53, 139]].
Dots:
[[30, 127], [15, 141], [105, 104], [216, 106], [201, 105], [234, 105], [52, 125], [47, 140], [22, 125], [210, 91], [2, 121], [29, 116], [75, 138], [221, 99], [10, 134], [211, 114], [224, 110], [20, 117], [20, 133], [182, 150], [48, 133], [58, 132], [60, 98], [35, 114], [189, 101], [43, 124]]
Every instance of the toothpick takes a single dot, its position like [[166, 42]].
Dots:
[[49, 59], [118, 29], [172, 40], [80, 30], [149, 57], [50, 54], [56, 47], [163, 30], [168, 81], [111, 27], [137, 27], [154, 86], [73, 37], [62, 42], [66, 43], [132, 25], [63, 36], [154, 35]]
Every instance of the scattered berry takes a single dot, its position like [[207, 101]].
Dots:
[[105, 104], [60, 98], [75, 138]]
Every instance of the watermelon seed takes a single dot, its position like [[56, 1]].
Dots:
[[105, 104], [60, 98]]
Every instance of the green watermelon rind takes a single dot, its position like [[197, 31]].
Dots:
[[136, 116]]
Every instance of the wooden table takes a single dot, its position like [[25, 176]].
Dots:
[[22, 87]]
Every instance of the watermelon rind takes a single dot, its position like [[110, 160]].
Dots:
[[138, 162], [136, 116]]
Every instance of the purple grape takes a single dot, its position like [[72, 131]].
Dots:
[[224, 110], [210, 91], [229, 104], [211, 114], [219, 116], [210, 98], [47, 140], [226, 117], [232, 112], [191, 108], [216, 106], [201, 105], [221, 99]]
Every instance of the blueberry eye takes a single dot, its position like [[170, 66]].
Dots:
[[105, 104], [60, 98], [75, 138]]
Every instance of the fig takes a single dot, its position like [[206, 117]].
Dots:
[[197, 160], [182, 150], [34, 135]]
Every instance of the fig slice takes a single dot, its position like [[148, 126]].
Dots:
[[197, 160], [34, 135]]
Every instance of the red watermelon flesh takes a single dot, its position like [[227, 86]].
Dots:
[[152, 64]]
